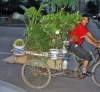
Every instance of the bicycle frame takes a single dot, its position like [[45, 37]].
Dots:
[[93, 62], [94, 57]]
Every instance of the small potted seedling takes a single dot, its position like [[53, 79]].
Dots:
[[19, 47]]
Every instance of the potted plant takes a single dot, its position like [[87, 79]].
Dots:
[[50, 31], [19, 46], [58, 26]]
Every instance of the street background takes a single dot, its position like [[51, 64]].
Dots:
[[11, 73]]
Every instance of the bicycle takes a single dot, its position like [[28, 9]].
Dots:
[[37, 73]]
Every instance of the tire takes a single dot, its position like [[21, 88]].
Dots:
[[96, 74], [36, 74]]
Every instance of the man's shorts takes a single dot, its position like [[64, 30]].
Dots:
[[80, 52]]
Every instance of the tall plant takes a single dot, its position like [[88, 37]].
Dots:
[[36, 38], [51, 31]]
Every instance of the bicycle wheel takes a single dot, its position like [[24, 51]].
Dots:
[[96, 74], [36, 74]]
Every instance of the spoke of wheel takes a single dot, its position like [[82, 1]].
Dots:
[[36, 74], [37, 80]]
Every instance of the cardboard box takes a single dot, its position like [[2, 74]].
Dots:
[[52, 65]]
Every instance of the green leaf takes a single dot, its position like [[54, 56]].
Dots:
[[32, 11], [53, 6], [70, 4]]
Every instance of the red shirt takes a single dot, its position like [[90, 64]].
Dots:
[[78, 34]]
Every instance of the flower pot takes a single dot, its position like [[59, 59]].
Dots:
[[19, 50], [54, 53]]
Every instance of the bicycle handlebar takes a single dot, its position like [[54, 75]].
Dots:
[[98, 51]]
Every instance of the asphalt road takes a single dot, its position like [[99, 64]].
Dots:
[[11, 73]]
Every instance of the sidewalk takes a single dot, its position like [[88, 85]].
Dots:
[[6, 87]]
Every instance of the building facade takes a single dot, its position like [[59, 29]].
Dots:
[[81, 6]]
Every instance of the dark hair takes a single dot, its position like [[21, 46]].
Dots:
[[85, 15]]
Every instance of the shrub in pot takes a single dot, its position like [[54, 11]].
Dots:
[[19, 46], [50, 30]]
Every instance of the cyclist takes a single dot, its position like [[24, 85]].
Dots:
[[76, 40]]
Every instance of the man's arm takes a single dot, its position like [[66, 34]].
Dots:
[[92, 37], [90, 41]]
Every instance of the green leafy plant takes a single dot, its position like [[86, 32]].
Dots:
[[36, 38], [19, 42], [50, 31], [58, 26]]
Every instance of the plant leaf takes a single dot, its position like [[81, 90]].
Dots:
[[32, 11]]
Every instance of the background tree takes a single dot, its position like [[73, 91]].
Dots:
[[92, 7], [69, 4], [11, 6]]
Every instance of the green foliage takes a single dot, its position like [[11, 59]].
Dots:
[[11, 6], [52, 26], [49, 31], [31, 16], [37, 39], [19, 42], [63, 3], [58, 26]]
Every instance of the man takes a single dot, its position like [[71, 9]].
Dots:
[[76, 40]]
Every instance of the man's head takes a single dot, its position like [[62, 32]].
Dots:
[[85, 19]]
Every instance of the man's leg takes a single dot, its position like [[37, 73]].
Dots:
[[81, 53], [85, 64]]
